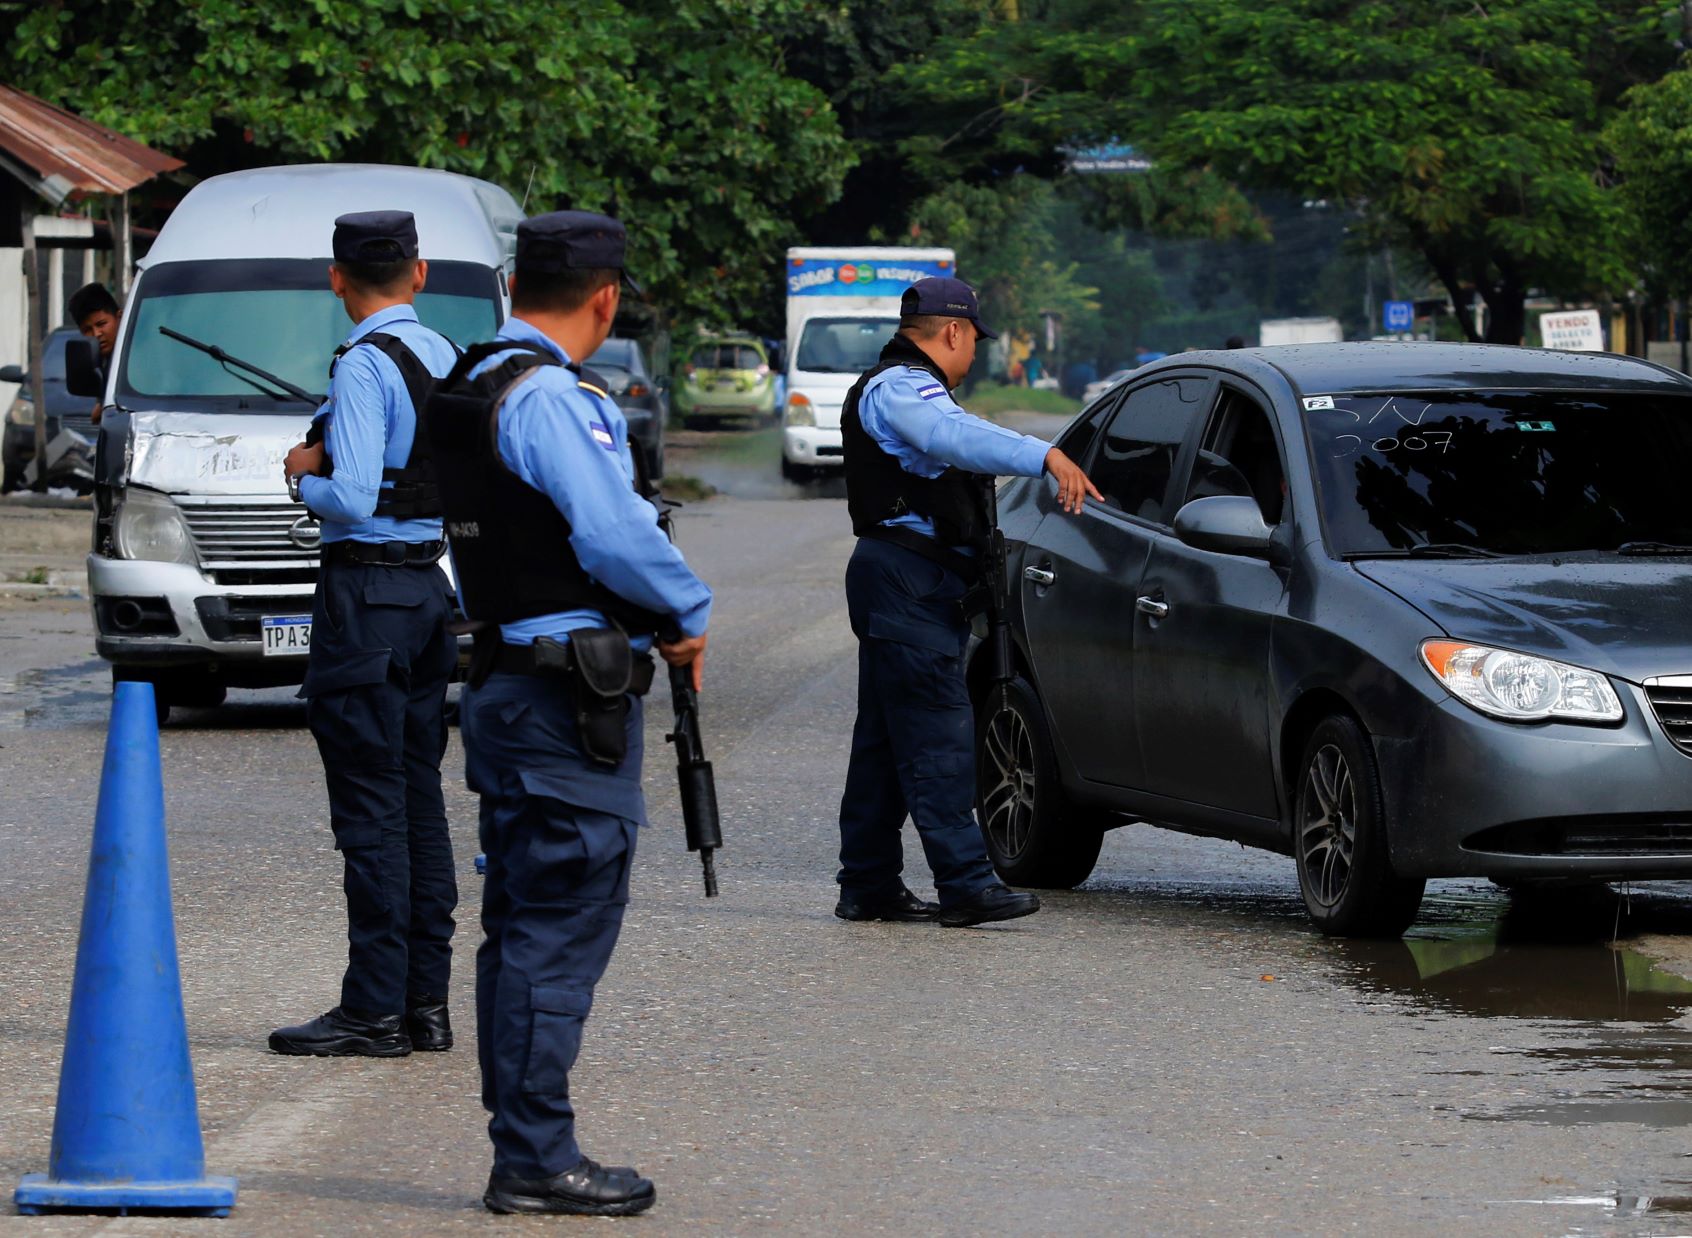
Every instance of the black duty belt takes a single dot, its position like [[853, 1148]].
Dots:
[[965, 566], [384, 554], [521, 660]]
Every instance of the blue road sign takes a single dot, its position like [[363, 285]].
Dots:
[[1398, 315]]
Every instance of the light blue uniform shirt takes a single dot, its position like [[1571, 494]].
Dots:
[[573, 446], [371, 427], [912, 417]]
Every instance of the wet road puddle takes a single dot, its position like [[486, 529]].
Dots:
[[1620, 1044]]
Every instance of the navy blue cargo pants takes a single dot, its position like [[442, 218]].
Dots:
[[559, 833], [913, 745], [375, 694]]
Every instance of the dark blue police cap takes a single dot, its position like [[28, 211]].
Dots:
[[375, 236], [571, 241], [949, 298]]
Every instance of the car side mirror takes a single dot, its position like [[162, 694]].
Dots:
[[13, 374], [1228, 524], [82, 372]]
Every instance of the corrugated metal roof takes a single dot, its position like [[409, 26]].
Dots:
[[56, 153]]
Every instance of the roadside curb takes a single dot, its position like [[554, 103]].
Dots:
[[65, 584]]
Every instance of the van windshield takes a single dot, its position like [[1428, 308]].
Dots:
[[843, 345], [277, 314]]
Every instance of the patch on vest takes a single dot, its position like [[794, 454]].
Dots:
[[463, 528], [932, 393], [602, 435]]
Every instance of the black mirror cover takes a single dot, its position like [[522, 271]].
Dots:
[[82, 369], [1226, 524], [13, 374]]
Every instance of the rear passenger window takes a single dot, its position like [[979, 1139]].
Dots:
[[1134, 462]]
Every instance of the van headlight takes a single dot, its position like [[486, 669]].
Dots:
[[800, 410], [22, 411], [1519, 687], [150, 526]]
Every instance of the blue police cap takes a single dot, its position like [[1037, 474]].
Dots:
[[375, 236], [949, 298], [571, 241]]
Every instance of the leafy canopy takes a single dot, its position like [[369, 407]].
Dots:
[[1467, 132], [674, 114]]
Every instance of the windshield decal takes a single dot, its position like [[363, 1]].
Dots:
[[1317, 403]]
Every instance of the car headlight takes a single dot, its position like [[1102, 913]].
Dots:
[[800, 410], [150, 526], [1519, 687], [22, 411]]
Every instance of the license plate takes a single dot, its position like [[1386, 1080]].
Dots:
[[286, 634]]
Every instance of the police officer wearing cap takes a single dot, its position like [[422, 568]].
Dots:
[[919, 472], [561, 562], [381, 655]]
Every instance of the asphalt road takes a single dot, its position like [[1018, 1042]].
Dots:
[[1169, 1049]]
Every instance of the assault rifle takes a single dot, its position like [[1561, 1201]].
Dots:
[[697, 781], [1001, 666]]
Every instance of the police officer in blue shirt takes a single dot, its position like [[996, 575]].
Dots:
[[919, 471], [563, 562], [381, 654]]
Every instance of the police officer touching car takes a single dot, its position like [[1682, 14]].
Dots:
[[381, 654], [919, 476], [561, 564]]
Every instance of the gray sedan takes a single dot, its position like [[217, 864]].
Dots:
[[1398, 611]]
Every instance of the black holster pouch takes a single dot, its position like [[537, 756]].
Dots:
[[603, 672], [484, 649]]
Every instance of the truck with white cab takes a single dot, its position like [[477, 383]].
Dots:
[[842, 307]]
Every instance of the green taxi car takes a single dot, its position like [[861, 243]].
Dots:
[[726, 376]]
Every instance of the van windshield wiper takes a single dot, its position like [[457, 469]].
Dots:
[[225, 360], [1652, 548], [1428, 550]]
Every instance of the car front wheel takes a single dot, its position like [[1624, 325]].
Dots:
[[1340, 838], [1035, 835]]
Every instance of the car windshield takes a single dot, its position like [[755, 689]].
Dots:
[[727, 357], [1519, 473], [843, 345], [613, 352], [277, 314]]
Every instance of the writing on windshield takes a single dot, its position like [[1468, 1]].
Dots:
[[1509, 472]]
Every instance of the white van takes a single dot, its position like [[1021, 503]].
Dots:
[[202, 570]]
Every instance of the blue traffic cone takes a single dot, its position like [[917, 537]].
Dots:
[[126, 1132]]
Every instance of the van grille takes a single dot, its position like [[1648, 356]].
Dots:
[[239, 538], [1671, 698]]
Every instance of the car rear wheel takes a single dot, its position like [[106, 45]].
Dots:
[[1340, 838], [1036, 836]]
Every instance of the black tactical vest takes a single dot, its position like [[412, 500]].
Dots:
[[510, 543], [413, 495], [878, 488]]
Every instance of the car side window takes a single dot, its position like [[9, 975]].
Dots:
[[1077, 440], [1136, 458], [1238, 456]]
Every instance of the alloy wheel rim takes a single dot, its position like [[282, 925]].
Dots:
[[1328, 825], [1008, 799]]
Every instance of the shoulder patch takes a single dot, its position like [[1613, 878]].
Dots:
[[932, 392], [602, 435]]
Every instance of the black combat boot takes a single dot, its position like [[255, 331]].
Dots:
[[589, 1189], [427, 1024], [344, 1033]]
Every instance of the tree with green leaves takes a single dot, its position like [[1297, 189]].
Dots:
[[1652, 143], [1468, 133], [675, 114]]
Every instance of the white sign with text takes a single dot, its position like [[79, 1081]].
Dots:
[[1573, 330]]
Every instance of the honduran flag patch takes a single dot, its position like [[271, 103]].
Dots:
[[602, 435], [932, 393]]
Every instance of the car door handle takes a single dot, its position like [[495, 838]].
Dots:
[[1151, 606], [1039, 576]]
